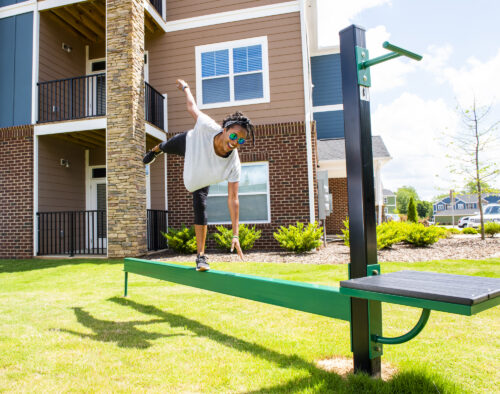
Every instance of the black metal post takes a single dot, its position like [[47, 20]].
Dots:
[[361, 195]]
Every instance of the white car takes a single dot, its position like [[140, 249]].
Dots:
[[491, 214], [464, 222]]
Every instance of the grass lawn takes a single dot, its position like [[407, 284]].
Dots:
[[64, 326]]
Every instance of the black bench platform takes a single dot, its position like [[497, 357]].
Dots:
[[446, 292]]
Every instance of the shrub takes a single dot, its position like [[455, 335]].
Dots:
[[390, 233], [248, 236], [453, 231], [412, 211], [298, 238], [419, 235], [183, 240], [491, 228], [469, 230], [345, 232]]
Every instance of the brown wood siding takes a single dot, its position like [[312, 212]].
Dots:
[[60, 188], [172, 56], [181, 9], [54, 62], [97, 51], [97, 157]]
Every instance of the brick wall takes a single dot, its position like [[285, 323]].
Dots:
[[283, 145], [338, 188], [16, 192]]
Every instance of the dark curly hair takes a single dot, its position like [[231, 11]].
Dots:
[[239, 118]]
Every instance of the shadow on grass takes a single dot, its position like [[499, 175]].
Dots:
[[317, 380], [124, 334], [10, 266]]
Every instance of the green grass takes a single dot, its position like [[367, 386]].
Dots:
[[64, 326]]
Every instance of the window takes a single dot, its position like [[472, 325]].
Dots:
[[253, 194], [440, 207], [232, 73], [385, 200], [461, 206]]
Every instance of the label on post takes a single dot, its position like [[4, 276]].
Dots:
[[364, 93]]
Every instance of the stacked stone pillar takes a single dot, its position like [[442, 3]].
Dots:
[[125, 134]]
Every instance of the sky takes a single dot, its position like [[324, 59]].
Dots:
[[414, 104]]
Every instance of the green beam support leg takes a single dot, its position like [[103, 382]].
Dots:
[[126, 284]]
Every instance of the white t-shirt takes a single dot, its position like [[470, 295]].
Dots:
[[202, 166]]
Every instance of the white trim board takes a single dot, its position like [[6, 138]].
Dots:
[[154, 14], [18, 9], [46, 4], [327, 108], [155, 132], [233, 16], [71, 126]]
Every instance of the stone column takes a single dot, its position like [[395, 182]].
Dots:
[[125, 134]]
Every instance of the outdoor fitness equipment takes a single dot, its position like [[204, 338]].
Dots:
[[358, 300]]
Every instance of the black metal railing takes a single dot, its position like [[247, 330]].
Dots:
[[158, 5], [72, 233], [153, 111], [72, 98], [157, 222]]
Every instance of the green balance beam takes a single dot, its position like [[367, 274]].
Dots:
[[306, 297]]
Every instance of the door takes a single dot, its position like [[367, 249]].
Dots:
[[97, 223]]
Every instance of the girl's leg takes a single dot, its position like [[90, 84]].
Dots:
[[200, 217], [175, 145]]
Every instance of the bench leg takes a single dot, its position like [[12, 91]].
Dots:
[[126, 284]]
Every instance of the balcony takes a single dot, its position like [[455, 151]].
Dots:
[[85, 97]]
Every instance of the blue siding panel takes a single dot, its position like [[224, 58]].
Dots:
[[16, 54], [23, 69], [329, 124], [327, 80], [7, 50]]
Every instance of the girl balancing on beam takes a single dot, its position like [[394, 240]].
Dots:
[[210, 156]]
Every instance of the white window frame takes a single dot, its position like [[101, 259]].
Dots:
[[267, 192], [230, 45]]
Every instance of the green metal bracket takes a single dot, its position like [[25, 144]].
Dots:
[[424, 317], [374, 312], [364, 63]]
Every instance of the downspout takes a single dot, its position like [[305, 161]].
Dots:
[[308, 108], [34, 115]]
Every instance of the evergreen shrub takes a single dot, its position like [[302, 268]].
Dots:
[[247, 236], [182, 240], [491, 228], [299, 238]]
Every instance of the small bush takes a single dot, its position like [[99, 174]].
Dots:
[[469, 230], [412, 211], [248, 236], [453, 230], [345, 232], [390, 233], [182, 241], [298, 238], [491, 228], [419, 235]]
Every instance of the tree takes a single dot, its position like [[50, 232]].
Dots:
[[424, 209], [471, 188], [403, 198], [469, 147], [412, 211]]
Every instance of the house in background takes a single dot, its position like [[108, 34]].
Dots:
[[88, 86], [464, 205], [389, 201]]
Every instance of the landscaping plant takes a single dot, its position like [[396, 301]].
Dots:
[[412, 211], [182, 240], [299, 238], [469, 230], [419, 235], [247, 235], [491, 228]]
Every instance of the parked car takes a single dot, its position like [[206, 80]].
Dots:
[[464, 222], [491, 214], [392, 217]]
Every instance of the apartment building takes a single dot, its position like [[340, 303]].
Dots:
[[88, 86]]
